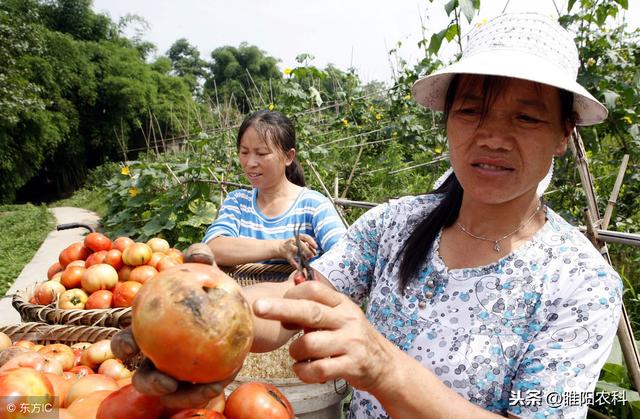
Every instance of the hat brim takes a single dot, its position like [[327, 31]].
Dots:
[[430, 91]]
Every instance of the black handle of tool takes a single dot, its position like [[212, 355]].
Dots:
[[69, 226]]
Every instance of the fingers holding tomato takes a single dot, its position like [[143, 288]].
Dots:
[[344, 345]]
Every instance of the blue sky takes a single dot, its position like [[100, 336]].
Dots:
[[346, 33]]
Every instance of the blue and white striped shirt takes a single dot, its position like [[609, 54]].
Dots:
[[239, 216]]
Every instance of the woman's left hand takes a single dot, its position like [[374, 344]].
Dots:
[[288, 248], [343, 344]]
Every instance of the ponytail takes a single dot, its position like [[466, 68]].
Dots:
[[416, 249], [294, 173]]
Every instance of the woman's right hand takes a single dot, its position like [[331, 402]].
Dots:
[[149, 380], [288, 248]]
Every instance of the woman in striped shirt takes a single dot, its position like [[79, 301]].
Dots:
[[258, 225]]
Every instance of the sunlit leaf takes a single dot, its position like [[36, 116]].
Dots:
[[610, 98], [452, 4], [467, 9], [623, 3]]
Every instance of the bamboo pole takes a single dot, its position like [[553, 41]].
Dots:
[[355, 166], [326, 192], [614, 193], [625, 331]]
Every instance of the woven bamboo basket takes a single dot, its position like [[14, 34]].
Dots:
[[45, 334], [254, 273], [247, 274], [111, 317]]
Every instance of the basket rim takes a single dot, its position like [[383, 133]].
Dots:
[[48, 332], [103, 317], [257, 268]]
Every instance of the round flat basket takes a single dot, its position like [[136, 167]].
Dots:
[[45, 334], [108, 317], [254, 273]]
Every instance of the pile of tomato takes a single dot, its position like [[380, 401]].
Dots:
[[85, 380], [211, 329], [98, 273]]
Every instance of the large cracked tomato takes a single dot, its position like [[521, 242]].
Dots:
[[193, 323], [257, 400]]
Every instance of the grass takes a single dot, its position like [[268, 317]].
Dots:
[[88, 198], [24, 228]]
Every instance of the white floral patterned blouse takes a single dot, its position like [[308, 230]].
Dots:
[[527, 334]]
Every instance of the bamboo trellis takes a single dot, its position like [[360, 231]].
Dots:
[[593, 220]]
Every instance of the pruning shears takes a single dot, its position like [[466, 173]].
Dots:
[[304, 271]]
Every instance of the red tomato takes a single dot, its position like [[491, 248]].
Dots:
[[122, 242], [114, 258], [99, 277], [72, 277], [87, 407], [129, 403], [75, 251], [166, 262], [198, 413], [124, 273], [99, 299], [48, 291], [54, 269], [257, 400], [88, 384], [81, 371], [95, 258], [21, 385], [125, 292], [97, 242], [142, 273], [60, 386]]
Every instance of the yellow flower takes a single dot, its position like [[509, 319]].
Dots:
[[271, 106], [627, 119], [590, 62], [345, 122], [133, 192], [378, 116], [482, 22], [287, 71], [124, 170], [407, 97]]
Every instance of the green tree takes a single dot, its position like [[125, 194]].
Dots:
[[76, 18], [242, 75], [186, 63]]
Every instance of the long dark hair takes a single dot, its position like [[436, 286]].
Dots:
[[417, 247], [276, 129]]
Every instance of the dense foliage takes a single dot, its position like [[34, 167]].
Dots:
[[76, 93]]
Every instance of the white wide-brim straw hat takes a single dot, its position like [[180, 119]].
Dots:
[[528, 46]]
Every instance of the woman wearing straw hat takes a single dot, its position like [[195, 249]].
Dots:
[[481, 300]]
